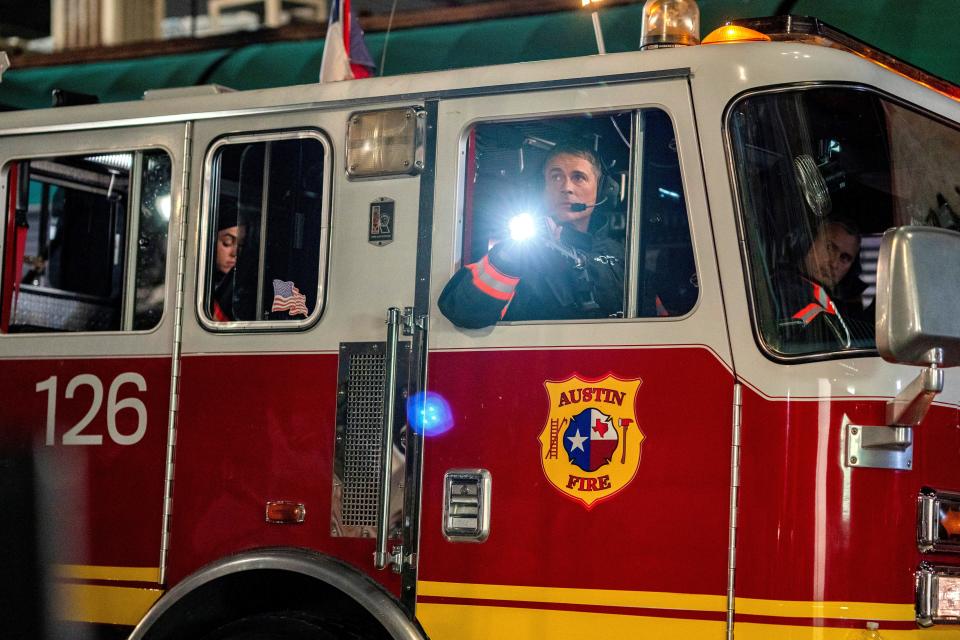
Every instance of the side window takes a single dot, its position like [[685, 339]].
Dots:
[[821, 174], [266, 231], [667, 282], [589, 215], [86, 242]]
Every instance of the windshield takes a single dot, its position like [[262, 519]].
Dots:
[[821, 174]]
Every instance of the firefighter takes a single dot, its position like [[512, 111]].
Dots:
[[820, 298], [570, 267]]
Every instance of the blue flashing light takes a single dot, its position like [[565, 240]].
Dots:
[[429, 413]]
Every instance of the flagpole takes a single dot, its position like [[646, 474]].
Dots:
[[597, 31]]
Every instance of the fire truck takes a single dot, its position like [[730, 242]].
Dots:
[[248, 417]]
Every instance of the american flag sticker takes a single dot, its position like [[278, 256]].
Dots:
[[286, 297]]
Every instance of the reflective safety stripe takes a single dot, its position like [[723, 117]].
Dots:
[[808, 313], [492, 282], [823, 299], [821, 304]]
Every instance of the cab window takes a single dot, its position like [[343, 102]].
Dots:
[[266, 231], [86, 242], [821, 174], [629, 202]]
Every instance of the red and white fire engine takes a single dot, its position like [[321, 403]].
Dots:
[[219, 333]]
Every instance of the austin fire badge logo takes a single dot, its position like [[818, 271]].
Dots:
[[590, 444]]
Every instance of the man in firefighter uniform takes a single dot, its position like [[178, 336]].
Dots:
[[821, 302], [570, 268]]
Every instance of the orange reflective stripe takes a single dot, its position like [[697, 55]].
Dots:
[[491, 282], [808, 313], [502, 278], [821, 303], [823, 299]]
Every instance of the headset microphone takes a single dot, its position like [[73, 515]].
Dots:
[[577, 207]]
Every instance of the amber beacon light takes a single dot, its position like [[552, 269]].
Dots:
[[735, 33], [670, 23]]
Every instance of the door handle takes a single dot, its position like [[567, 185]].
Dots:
[[380, 557]]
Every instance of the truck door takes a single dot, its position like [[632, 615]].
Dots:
[[578, 481], [288, 287], [90, 242], [812, 379]]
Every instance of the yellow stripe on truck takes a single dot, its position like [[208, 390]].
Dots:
[[875, 611], [554, 595], [459, 622], [751, 631], [104, 604], [96, 572]]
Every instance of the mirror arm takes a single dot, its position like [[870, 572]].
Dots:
[[910, 406]]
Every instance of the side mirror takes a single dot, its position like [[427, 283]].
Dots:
[[918, 311], [917, 323]]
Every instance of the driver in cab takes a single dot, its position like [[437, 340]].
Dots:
[[823, 298], [558, 264]]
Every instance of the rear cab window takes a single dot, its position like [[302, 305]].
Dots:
[[86, 246], [266, 228]]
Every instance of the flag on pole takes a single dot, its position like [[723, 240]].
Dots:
[[345, 55]]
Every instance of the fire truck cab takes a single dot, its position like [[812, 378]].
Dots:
[[220, 335]]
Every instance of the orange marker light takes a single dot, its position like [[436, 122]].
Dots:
[[950, 521], [733, 33], [285, 512]]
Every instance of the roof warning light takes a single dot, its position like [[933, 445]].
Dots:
[[670, 23], [735, 33]]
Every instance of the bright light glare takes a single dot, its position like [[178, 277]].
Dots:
[[429, 413], [522, 227], [163, 206]]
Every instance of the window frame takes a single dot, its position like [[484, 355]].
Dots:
[[632, 240], [127, 309], [740, 215], [204, 235]]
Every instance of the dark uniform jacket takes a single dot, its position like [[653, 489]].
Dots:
[[815, 318], [550, 287]]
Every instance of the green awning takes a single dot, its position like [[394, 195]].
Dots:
[[896, 27], [111, 81], [922, 33]]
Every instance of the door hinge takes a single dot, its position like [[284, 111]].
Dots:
[[410, 322]]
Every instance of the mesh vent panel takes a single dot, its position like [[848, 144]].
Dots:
[[362, 439]]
